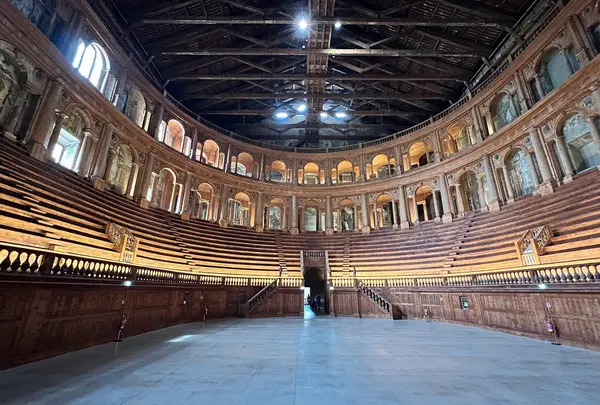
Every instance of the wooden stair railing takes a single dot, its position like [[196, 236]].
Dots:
[[532, 245], [384, 305], [246, 307]]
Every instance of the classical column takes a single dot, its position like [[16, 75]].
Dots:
[[328, 217], [261, 168], [565, 161], [259, 213], [43, 119], [194, 144], [112, 155], [509, 189], [120, 97], [404, 224], [302, 226], [155, 121], [399, 161], [394, 215], [459, 200], [84, 150], [185, 201], [131, 182], [595, 133], [494, 203], [365, 214], [58, 124], [363, 169], [144, 203], [294, 230], [415, 208], [447, 216], [15, 115], [223, 203], [284, 219], [477, 125], [86, 166], [481, 193], [375, 216], [436, 206], [548, 184], [227, 161], [98, 174], [533, 172], [539, 87]]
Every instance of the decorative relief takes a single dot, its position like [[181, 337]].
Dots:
[[587, 102], [496, 157], [479, 166], [527, 141], [124, 241]]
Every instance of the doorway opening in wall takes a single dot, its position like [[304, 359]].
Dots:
[[315, 291]]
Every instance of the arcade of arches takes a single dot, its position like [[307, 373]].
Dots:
[[106, 181]]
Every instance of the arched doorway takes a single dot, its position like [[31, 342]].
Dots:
[[315, 289]]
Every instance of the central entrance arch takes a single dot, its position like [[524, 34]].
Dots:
[[315, 281]]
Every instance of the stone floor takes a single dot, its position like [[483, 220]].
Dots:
[[321, 361]]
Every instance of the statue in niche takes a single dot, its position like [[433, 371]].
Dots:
[[347, 218]]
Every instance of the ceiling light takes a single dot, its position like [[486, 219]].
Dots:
[[303, 23], [340, 114], [338, 24], [281, 115], [324, 114], [301, 108]]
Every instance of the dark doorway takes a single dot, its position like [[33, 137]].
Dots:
[[314, 279]]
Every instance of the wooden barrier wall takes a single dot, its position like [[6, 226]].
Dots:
[[43, 320], [284, 302], [575, 313], [350, 302]]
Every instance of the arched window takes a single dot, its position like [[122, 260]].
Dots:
[[66, 148], [278, 171], [275, 214], [174, 135], [471, 193], [457, 140], [381, 166], [310, 219], [418, 155], [555, 68], [92, 63], [519, 172], [311, 174], [239, 209], [162, 190], [425, 204], [244, 165], [384, 209], [347, 215], [203, 206], [345, 172], [210, 153], [582, 148], [135, 108], [504, 111]]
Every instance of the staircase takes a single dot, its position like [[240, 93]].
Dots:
[[346, 256], [246, 308], [283, 270], [376, 298], [461, 236]]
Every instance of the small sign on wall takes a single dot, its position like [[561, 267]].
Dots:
[[464, 302]]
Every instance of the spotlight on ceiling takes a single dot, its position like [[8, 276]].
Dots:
[[303, 23], [338, 24], [281, 115], [301, 108], [324, 114], [341, 114]]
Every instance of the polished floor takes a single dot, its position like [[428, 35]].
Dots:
[[321, 361]]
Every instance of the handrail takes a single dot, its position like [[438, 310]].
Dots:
[[375, 297]]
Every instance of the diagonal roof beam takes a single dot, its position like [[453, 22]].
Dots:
[[479, 9]]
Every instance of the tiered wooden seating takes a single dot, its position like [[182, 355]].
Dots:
[[47, 206], [572, 212]]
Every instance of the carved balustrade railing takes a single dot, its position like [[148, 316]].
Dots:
[[533, 244], [23, 260], [375, 297]]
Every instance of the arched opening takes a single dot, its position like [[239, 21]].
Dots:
[[458, 139], [174, 135], [239, 209], [311, 216], [163, 190], [384, 207], [345, 172], [244, 165], [519, 172], [555, 68], [135, 107], [471, 191], [278, 171], [582, 148], [92, 63], [120, 170], [347, 216], [67, 147], [311, 174], [381, 167], [504, 110], [198, 152], [425, 205], [315, 283], [275, 214], [418, 155], [203, 202], [210, 153]]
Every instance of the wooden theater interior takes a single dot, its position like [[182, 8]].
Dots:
[[246, 163]]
